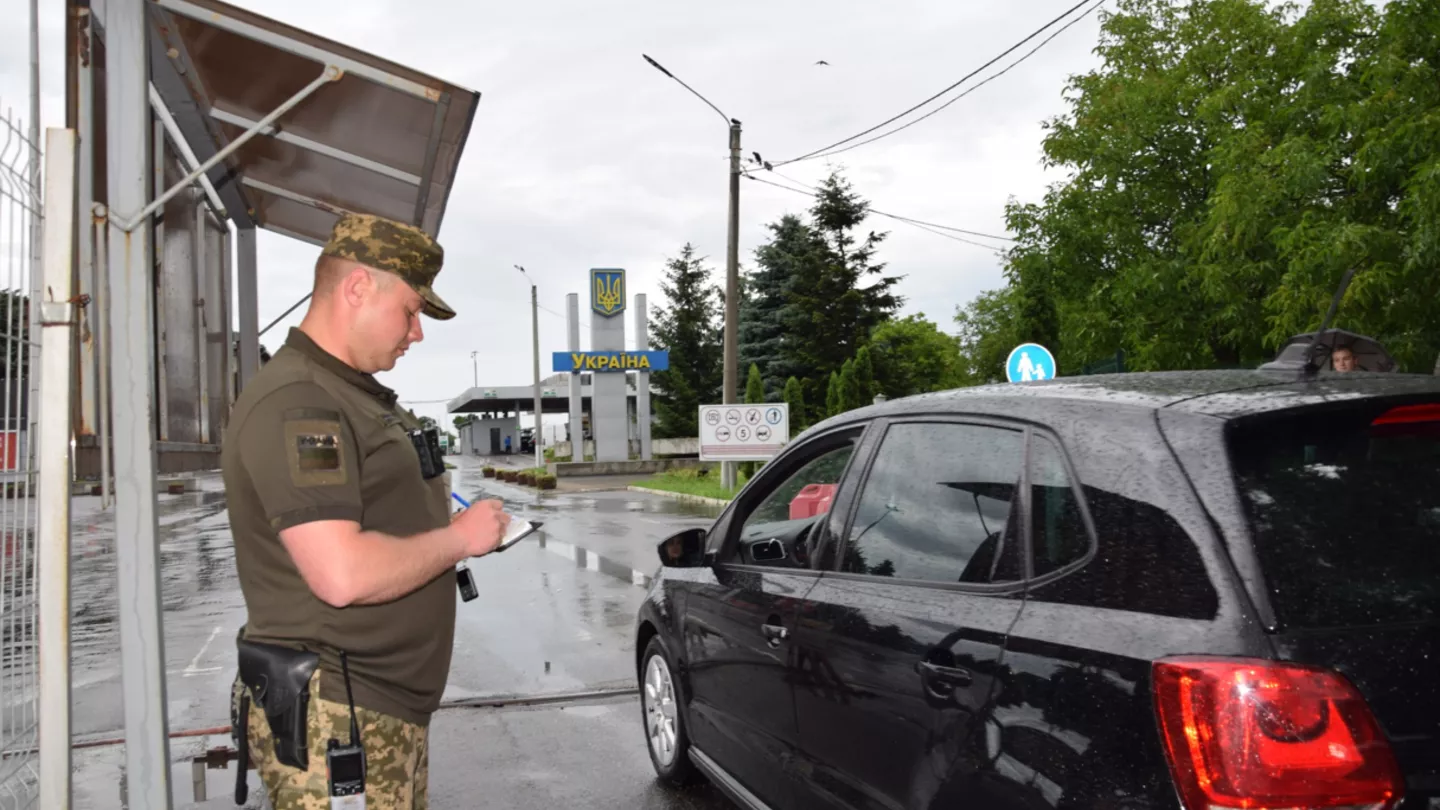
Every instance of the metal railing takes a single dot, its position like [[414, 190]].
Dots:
[[20, 217]]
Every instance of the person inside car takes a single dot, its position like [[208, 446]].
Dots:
[[1343, 359]]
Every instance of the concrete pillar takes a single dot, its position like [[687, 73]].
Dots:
[[577, 424], [642, 379], [609, 405], [142, 648]]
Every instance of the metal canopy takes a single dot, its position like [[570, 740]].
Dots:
[[382, 139]]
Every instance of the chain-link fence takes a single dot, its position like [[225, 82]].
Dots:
[[20, 207]]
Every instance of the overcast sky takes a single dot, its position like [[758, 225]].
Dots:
[[582, 155]]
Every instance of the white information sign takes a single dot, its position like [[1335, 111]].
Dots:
[[743, 432]]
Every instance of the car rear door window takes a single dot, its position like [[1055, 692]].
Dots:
[[1059, 535], [1344, 507], [937, 504]]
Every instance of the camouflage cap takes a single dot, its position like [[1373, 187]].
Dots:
[[393, 247]]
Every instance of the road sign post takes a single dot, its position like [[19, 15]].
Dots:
[[1030, 362], [752, 432]]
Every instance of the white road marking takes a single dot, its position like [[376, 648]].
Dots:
[[195, 662]]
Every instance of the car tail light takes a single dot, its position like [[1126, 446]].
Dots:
[[1244, 733]]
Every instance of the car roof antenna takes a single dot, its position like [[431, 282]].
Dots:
[[1310, 367]]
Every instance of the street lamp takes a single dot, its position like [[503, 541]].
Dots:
[[732, 266], [535, 336], [474, 361]]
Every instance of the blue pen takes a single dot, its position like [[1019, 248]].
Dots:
[[462, 501]]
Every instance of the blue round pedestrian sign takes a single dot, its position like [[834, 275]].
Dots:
[[1028, 362]]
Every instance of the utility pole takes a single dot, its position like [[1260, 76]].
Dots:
[[732, 268], [535, 337], [474, 361], [732, 291]]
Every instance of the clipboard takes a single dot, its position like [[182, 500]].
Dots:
[[516, 531]]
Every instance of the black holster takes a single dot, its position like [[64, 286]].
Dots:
[[278, 679]]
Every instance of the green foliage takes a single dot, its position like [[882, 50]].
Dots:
[[1226, 164], [817, 294], [912, 356], [795, 398], [691, 329], [850, 394], [865, 375], [832, 395], [989, 327], [754, 387]]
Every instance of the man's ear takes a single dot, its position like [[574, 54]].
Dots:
[[356, 286]]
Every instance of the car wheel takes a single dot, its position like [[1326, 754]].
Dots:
[[665, 734]]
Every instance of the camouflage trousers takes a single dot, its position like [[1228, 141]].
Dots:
[[396, 756]]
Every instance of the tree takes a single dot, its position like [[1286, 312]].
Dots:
[[830, 313], [988, 329], [1226, 163], [690, 327], [754, 395], [795, 398], [464, 419], [427, 422], [912, 356], [754, 387], [832, 395], [865, 375], [762, 332], [849, 396]]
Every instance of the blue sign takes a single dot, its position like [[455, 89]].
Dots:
[[612, 361], [607, 291], [1029, 362]]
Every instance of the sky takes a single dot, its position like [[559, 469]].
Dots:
[[582, 155]]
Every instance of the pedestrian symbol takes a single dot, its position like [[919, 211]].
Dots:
[[1030, 362]]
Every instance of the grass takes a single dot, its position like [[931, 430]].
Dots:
[[690, 482]]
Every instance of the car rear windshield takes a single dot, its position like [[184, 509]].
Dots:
[[1344, 505]]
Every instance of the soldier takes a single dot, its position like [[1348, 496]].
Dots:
[[345, 549]]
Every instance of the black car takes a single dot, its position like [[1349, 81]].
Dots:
[[1170, 590]]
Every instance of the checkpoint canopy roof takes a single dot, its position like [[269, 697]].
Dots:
[[382, 139], [554, 396]]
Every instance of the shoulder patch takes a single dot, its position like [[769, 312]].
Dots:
[[315, 448]]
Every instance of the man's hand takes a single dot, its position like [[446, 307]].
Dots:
[[481, 527]]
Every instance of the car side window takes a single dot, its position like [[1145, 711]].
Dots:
[[795, 505], [1058, 534], [938, 504]]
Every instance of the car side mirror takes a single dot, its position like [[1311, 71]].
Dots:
[[684, 549]]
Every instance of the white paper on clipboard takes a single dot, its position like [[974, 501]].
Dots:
[[518, 530]]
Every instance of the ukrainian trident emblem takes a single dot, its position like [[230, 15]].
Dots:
[[607, 292]]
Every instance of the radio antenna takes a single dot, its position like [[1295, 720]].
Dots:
[[1310, 367]]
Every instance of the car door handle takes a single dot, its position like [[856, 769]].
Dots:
[[774, 633], [948, 676]]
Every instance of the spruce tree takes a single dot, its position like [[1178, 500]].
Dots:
[[690, 327], [763, 337], [832, 395], [838, 297]]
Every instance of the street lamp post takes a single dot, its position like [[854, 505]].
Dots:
[[535, 336], [474, 361], [732, 267]]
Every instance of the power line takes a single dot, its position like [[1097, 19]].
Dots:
[[814, 190], [964, 79], [1007, 69], [919, 223]]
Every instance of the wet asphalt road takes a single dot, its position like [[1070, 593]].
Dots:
[[554, 616]]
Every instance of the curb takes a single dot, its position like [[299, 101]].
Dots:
[[680, 496]]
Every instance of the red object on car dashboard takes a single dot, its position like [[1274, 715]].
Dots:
[[1246, 733], [813, 500]]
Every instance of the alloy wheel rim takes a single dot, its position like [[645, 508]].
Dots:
[[660, 718]]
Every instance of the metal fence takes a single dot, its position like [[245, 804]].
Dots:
[[20, 214]]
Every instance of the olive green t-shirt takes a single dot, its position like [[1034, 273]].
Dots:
[[311, 438]]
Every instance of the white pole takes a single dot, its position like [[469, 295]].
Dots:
[[57, 317]]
